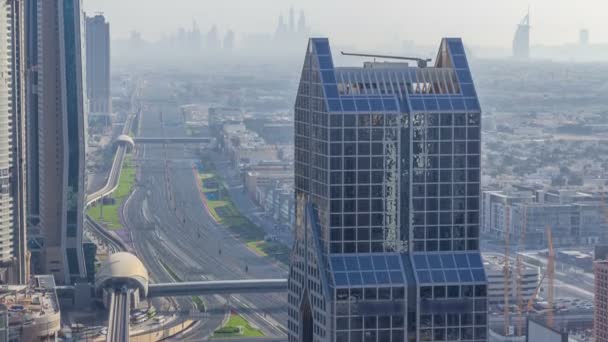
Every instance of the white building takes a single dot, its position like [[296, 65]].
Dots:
[[494, 266]]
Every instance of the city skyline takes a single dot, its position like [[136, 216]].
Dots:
[[202, 186], [499, 21]]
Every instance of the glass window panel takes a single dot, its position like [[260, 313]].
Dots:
[[348, 105], [390, 104], [468, 89], [417, 104], [420, 262], [448, 261], [368, 278], [430, 104], [465, 275], [362, 105], [355, 278], [456, 47], [393, 262], [352, 264], [379, 262], [334, 105], [434, 261], [366, 263], [337, 264], [475, 260], [325, 62], [457, 104], [331, 90], [341, 279], [383, 277], [444, 104], [472, 104], [451, 276], [464, 76], [376, 104], [396, 277], [437, 276], [461, 260], [424, 276], [460, 62], [328, 76], [322, 47], [478, 274]]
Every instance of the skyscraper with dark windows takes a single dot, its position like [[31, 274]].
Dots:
[[387, 177], [98, 64], [57, 137]]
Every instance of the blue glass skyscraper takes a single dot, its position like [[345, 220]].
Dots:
[[57, 138], [387, 188]]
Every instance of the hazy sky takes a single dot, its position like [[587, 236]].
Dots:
[[368, 22]]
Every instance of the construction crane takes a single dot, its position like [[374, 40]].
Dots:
[[506, 270], [520, 274], [535, 294], [422, 62], [550, 277]]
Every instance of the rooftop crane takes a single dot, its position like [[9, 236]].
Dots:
[[422, 62], [551, 277], [506, 270], [520, 274]]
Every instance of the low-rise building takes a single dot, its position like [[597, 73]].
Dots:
[[32, 310], [575, 218]]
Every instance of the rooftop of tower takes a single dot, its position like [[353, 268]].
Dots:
[[398, 86]]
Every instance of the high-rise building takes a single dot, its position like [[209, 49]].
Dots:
[[57, 130], [98, 64], [387, 189], [521, 41], [13, 252], [600, 317]]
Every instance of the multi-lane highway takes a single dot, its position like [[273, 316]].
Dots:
[[176, 237]]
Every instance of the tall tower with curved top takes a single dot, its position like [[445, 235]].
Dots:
[[521, 41]]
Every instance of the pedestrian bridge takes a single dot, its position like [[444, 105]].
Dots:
[[193, 288]]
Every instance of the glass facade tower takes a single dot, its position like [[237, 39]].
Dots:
[[57, 112], [387, 190]]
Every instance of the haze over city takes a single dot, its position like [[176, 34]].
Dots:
[[364, 24], [305, 171]]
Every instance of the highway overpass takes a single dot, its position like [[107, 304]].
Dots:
[[171, 140]]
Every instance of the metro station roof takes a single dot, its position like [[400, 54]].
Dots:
[[122, 269]]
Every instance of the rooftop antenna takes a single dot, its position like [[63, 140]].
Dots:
[[422, 63]]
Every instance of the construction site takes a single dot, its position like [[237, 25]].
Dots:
[[525, 289]]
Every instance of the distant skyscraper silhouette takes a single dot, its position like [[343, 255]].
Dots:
[[387, 178], [213, 40], [98, 64], [584, 37], [229, 41], [292, 20], [302, 23], [57, 117], [521, 41]]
